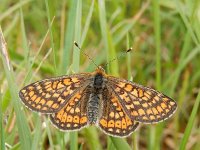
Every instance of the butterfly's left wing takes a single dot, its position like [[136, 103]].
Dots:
[[73, 115], [50, 95], [142, 104]]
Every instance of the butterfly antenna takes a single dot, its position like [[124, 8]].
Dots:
[[76, 44], [117, 58]]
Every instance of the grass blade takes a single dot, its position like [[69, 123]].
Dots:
[[120, 143], [2, 140], [92, 138], [107, 39], [13, 8], [87, 23], [69, 37], [24, 131], [75, 63], [130, 24], [156, 132], [51, 35], [128, 61], [190, 123], [37, 134]]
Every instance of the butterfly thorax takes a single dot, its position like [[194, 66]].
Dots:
[[94, 99], [98, 81]]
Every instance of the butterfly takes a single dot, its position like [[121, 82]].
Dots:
[[115, 105]]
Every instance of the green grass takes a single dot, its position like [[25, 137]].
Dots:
[[40, 37]]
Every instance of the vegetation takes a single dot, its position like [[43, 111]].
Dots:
[[165, 37]]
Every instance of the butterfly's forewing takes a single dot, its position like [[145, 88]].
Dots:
[[50, 95], [113, 120], [141, 103]]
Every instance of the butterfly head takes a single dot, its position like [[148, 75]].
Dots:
[[100, 70]]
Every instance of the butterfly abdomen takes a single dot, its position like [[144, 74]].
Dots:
[[93, 108], [94, 100]]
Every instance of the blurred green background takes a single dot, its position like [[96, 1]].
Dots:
[[164, 35]]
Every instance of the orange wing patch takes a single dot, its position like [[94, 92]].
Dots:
[[73, 115], [114, 120], [141, 103], [50, 95]]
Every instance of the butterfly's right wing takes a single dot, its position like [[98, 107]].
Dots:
[[141, 103], [113, 119], [50, 95]]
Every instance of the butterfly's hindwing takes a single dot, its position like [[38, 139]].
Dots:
[[113, 120], [73, 116]]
